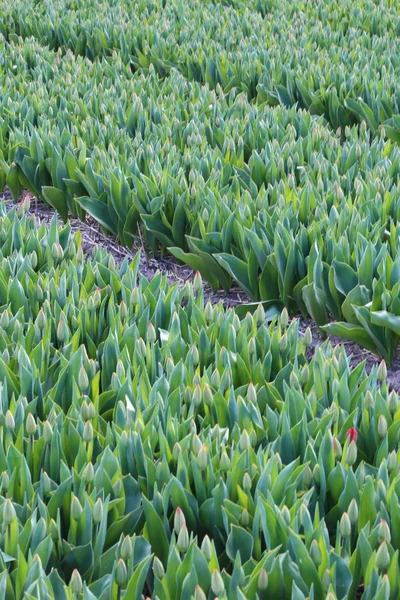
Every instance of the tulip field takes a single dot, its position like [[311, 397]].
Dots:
[[155, 444]]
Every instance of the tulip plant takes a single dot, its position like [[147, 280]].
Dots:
[[153, 445], [271, 164]]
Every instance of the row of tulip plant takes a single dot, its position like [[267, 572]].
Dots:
[[271, 198], [154, 445]]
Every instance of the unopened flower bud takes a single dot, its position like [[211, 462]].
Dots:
[[262, 581], [126, 548], [246, 483], [382, 560], [75, 583], [158, 568], [315, 553], [8, 512], [10, 423], [202, 458], [382, 371], [121, 573], [83, 380], [382, 426], [30, 424], [217, 583], [47, 432], [88, 473], [351, 454], [88, 432], [384, 532], [244, 441], [198, 283], [76, 508], [352, 511], [307, 339], [97, 511], [345, 526], [199, 594]]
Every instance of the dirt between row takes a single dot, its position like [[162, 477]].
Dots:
[[92, 236]]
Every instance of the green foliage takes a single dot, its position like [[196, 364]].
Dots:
[[152, 443]]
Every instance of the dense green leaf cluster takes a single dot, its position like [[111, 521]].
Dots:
[[269, 197], [152, 443]]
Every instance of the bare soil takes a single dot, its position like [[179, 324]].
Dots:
[[93, 236]]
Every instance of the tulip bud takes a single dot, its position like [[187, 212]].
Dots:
[[369, 399], [46, 483], [135, 296], [8, 512], [202, 458], [351, 454], [326, 580], [307, 339], [304, 375], [315, 553], [294, 381], [76, 509], [88, 473], [217, 583], [260, 314], [47, 432], [392, 460], [4, 319], [283, 343], [53, 530], [158, 568], [382, 426], [345, 526], [76, 582], [141, 347], [307, 477], [151, 333], [5, 481], [285, 514], [176, 451], [183, 539], [352, 511], [88, 432], [251, 394], [208, 312], [199, 594], [207, 395], [179, 520], [196, 444], [224, 462], [244, 441], [382, 560], [126, 548], [382, 371], [215, 379], [206, 548], [262, 581], [10, 423], [384, 532], [121, 573], [97, 511], [198, 283], [30, 424], [123, 313], [393, 402], [337, 448], [252, 346], [195, 355], [246, 483], [41, 320], [197, 395], [83, 380]]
